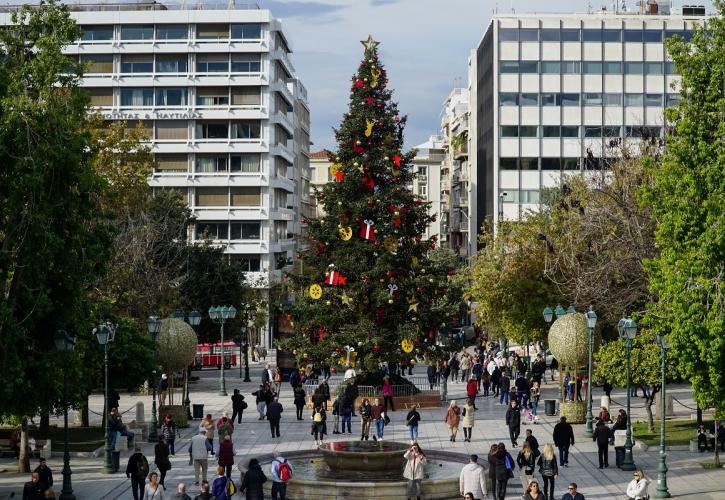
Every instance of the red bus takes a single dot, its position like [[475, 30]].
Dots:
[[209, 355]]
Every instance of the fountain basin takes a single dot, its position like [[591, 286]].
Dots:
[[364, 455]]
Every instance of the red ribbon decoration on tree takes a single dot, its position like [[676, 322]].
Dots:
[[396, 159]]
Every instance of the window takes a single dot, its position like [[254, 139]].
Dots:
[[653, 68], [172, 32], [98, 63], [97, 33], [212, 31], [550, 164], [611, 131], [508, 99], [686, 34], [246, 63], [528, 35], [247, 31], [246, 230], [212, 96], [246, 96], [212, 130], [636, 131], [422, 171], [529, 163], [633, 99], [610, 35], [248, 263], [633, 36], [508, 164], [592, 35], [592, 99], [508, 34], [528, 66], [570, 131], [652, 36], [170, 163], [612, 99], [670, 68], [211, 230], [550, 99], [529, 196], [510, 196], [137, 32], [137, 63], [593, 68], [528, 131], [571, 67], [212, 63], [508, 66], [550, 34], [551, 131], [142, 127], [172, 130], [612, 68], [211, 164], [672, 100], [633, 68], [529, 99], [131, 97], [246, 130], [551, 67], [570, 35], [592, 132], [570, 99], [653, 100], [509, 131], [422, 190], [246, 163], [171, 63], [101, 96], [211, 197], [246, 196], [570, 163]]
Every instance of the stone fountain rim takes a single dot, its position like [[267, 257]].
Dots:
[[326, 450]]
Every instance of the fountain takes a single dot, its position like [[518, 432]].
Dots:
[[364, 469]]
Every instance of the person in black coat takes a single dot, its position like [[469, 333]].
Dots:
[[299, 400], [513, 420], [238, 405], [161, 459], [253, 480], [431, 375], [563, 438], [45, 475], [533, 442], [31, 490], [274, 415], [325, 391], [502, 467], [351, 393], [601, 436]]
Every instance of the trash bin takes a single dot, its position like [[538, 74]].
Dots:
[[198, 411], [116, 460], [619, 455], [550, 407]]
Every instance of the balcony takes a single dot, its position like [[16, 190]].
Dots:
[[445, 185], [460, 151]]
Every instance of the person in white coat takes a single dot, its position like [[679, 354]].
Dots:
[[637, 488], [414, 470], [472, 479], [198, 455]]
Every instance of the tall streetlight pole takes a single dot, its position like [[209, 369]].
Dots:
[[153, 324], [662, 491], [65, 342], [219, 315], [591, 323], [627, 329], [105, 334], [193, 318]]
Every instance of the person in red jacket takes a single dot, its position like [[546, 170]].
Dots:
[[472, 390], [226, 455]]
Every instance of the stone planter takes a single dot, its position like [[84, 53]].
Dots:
[[574, 411], [177, 412]]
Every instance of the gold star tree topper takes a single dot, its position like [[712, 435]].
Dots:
[[370, 44]]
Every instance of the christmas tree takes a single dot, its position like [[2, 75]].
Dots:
[[369, 282]]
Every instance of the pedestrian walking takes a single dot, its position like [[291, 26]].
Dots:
[[533, 443], [452, 419], [431, 372], [533, 492], [208, 424], [277, 377], [495, 379], [491, 476], [153, 490], [281, 471], [502, 466], [224, 426], [238, 406], [454, 363], [45, 475], [414, 470], [472, 480], [260, 401], [468, 413], [274, 415], [563, 438], [180, 493], [412, 420], [387, 392], [319, 416], [486, 383], [163, 389], [505, 387], [346, 415], [137, 468], [299, 399], [198, 455], [220, 487], [535, 395], [336, 411], [465, 365], [549, 470], [637, 487], [378, 411], [513, 421], [205, 492], [526, 460], [226, 454], [325, 392], [352, 393], [169, 432], [31, 489], [161, 459], [366, 419], [252, 484], [601, 437], [267, 374], [572, 493]]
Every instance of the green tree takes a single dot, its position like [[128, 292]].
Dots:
[[688, 203]]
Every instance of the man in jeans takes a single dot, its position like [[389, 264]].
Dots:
[[279, 487], [137, 469], [563, 438]]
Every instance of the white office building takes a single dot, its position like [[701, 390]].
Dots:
[[225, 115], [431, 184], [549, 93]]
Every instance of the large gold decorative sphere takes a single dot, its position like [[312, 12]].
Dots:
[[569, 340]]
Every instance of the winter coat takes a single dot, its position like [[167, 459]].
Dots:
[[366, 412], [513, 417], [337, 406], [299, 393], [325, 391], [637, 489], [237, 400], [387, 388], [168, 430], [132, 468], [412, 418], [352, 392], [197, 447], [226, 453], [472, 388], [431, 373], [468, 415], [505, 383], [527, 464], [209, 426], [498, 465], [601, 435], [472, 479], [377, 411], [274, 410], [161, 456], [318, 399], [252, 483], [548, 468], [414, 466], [533, 444], [453, 416], [563, 435], [219, 488], [465, 363], [539, 496]]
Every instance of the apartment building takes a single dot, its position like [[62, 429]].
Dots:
[[431, 183], [214, 88], [549, 93], [319, 176]]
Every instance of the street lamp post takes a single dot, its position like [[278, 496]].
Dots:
[[65, 342], [105, 334], [153, 324], [662, 491], [627, 329], [219, 315], [591, 323], [193, 318]]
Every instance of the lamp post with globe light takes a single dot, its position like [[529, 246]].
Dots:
[[662, 491], [591, 323], [153, 324], [65, 342], [194, 319], [627, 329], [105, 333], [220, 315]]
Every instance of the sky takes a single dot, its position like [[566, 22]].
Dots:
[[424, 45]]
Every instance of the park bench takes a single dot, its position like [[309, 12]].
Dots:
[[38, 448]]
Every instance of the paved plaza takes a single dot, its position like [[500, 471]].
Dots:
[[686, 478]]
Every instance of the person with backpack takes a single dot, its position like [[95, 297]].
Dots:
[[238, 405], [137, 469], [502, 469], [281, 471], [223, 487], [254, 478], [319, 416]]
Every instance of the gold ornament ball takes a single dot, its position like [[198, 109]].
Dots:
[[430, 280], [396, 213], [358, 142], [390, 301], [328, 302], [339, 203], [569, 340], [365, 79]]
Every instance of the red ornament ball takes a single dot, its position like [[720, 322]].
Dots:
[[397, 189], [376, 347], [371, 202], [419, 290]]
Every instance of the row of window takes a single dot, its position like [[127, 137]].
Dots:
[[587, 67], [576, 131], [230, 196], [520, 196], [589, 35], [173, 63], [161, 32], [145, 97], [179, 130], [251, 230], [555, 164], [244, 163], [587, 99]]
